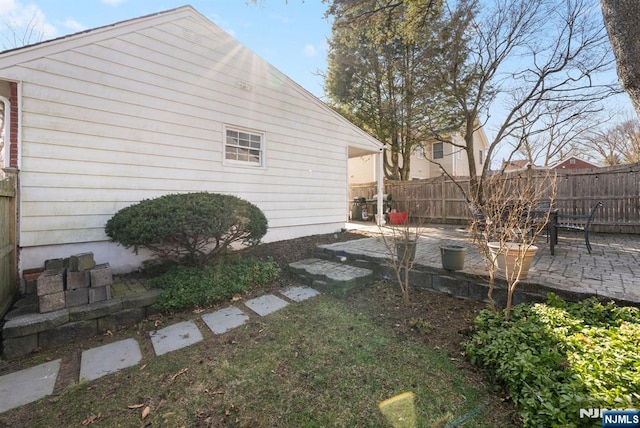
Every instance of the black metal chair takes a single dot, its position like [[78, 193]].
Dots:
[[577, 223], [477, 216]]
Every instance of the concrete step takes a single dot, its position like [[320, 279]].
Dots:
[[335, 278]]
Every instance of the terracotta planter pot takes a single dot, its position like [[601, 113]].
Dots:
[[506, 261]]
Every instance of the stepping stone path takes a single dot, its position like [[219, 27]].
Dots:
[[110, 358], [175, 337], [264, 305], [225, 319], [26, 386], [298, 294]]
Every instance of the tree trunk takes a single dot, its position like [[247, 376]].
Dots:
[[622, 20]]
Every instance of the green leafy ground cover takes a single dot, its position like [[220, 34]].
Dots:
[[557, 358], [192, 287]]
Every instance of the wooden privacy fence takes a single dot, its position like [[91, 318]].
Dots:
[[7, 242], [440, 200]]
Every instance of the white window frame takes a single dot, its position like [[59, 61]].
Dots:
[[246, 145], [433, 150], [420, 152]]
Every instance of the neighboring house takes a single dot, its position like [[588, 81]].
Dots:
[[514, 165], [573, 163], [569, 163], [453, 159], [165, 103]]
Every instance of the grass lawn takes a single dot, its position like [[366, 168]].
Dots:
[[319, 363]]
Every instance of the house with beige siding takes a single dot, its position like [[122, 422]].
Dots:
[[166, 103], [427, 160]]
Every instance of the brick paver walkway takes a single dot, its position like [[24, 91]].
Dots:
[[612, 270]]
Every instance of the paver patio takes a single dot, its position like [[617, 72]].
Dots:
[[612, 270]]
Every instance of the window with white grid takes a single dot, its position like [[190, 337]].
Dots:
[[244, 147]]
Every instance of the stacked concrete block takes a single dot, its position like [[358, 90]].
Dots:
[[75, 281], [53, 264], [101, 280], [30, 281], [78, 279], [50, 289], [81, 262]]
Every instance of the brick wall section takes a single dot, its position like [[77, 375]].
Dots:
[[13, 126]]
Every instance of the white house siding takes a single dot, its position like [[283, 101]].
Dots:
[[138, 110]]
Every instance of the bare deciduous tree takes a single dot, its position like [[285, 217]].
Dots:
[[618, 144], [22, 28], [529, 59], [516, 211], [561, 135]]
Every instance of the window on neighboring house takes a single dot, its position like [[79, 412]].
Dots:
[[244, 147], [572, 161], [438, 150], [480, 158], [420, 152]]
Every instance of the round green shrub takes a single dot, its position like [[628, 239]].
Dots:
[[188, 228]]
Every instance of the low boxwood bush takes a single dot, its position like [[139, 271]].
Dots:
[[559, 357], [188, 228], [188, 287]]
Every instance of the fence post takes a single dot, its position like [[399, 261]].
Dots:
[[444, 199]]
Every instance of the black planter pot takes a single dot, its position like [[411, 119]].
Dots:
[[453, 257], [408, 248]]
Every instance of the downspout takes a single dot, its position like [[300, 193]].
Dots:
[[380, 202]]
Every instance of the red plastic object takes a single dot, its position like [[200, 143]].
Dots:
[[398, 218]]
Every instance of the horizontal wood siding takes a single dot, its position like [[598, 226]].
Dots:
[[109, 123]]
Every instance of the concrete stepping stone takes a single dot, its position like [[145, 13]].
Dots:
[[26, 386], [264, 305], [299, 293], [174, 337], [110, 358], [225, 319]]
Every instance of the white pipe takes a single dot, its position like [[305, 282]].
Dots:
[[380, 202]]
